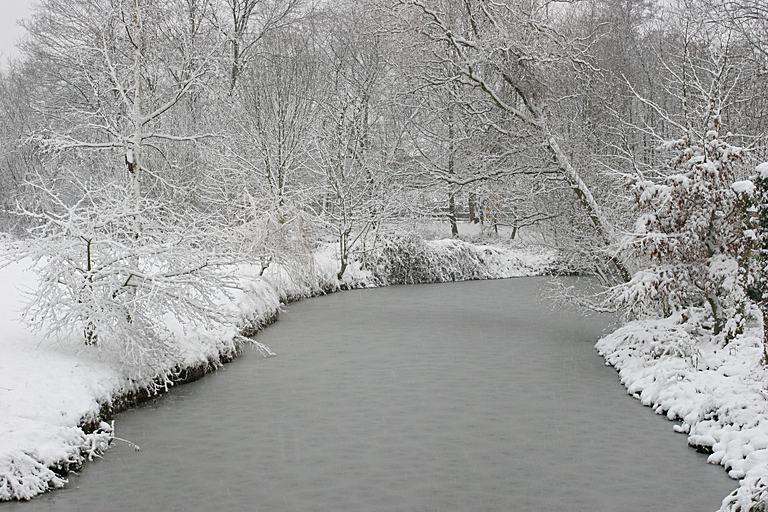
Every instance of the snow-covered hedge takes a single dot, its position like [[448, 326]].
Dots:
[[717, 393], [53, 394], [408, 260]]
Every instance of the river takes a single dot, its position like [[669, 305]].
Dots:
[[454, 397]]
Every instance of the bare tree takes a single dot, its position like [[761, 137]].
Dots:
[[246, 22], [510, 51]]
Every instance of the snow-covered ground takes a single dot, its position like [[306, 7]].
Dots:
[[52, 391], [716, 393]]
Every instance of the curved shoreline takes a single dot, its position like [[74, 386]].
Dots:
[[714, 393], [446, 261]]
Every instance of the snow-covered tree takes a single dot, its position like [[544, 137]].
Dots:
[[276, 113], [510, 53], [353, 151], [758, 224], [246, 22], [124, 293], [689, 237], [123, 240], [691, 229]]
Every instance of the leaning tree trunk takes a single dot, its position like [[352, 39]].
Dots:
[[464, 50], [586, 200]]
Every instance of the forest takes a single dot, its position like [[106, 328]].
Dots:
[[149, 149], [148, 146]]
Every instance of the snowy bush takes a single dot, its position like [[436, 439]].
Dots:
[[758, 232], [277, 233], [122, 272], [24, 475], [691, 231], [408, 259], [657, 339]]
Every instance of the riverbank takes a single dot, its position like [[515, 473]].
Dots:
[[717, 394], [57, 396], [405, 398]]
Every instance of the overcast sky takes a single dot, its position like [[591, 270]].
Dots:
[[10, 31]]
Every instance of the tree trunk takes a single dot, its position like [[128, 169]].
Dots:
[[473, 208], [585, 198], [235, 71], [133, 154], [452, 215], [764, 311], [451, 172], [717, 317], [343, 254], [89, 332]]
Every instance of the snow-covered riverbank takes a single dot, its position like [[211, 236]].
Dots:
[[718, 394], [52, 392]]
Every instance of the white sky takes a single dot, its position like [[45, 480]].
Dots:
[[10, 31]]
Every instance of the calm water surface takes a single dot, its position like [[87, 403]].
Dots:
[[457, 397]]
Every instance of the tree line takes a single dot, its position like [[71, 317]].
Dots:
[[148, 146]]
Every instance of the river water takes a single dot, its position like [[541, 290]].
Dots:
[[455, 397]]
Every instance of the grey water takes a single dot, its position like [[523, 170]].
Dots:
[[455, 397]]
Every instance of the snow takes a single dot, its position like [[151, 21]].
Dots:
[[44, 393], [762, 170], [743, 187], [50, 389], [716, 393]]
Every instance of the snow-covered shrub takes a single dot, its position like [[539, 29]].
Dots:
[[122, 272], [408, 259], [690, 230], [757, 190], [654, 339], [24, 475], [750, 496], [278, 233]]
